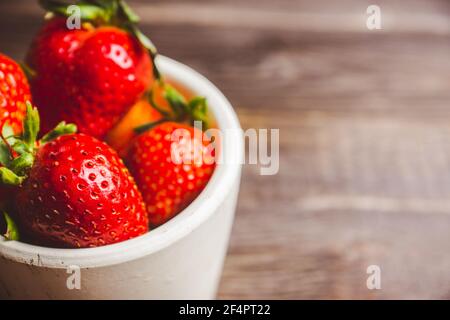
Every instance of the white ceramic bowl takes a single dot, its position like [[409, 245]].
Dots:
[[182, 259]]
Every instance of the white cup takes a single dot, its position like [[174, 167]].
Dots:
[[182, 259]]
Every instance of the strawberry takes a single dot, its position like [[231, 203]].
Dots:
[[120, 136], [169, 186], [140, 114], [72, 189], [14, 93], [171, 174], [93, 75]]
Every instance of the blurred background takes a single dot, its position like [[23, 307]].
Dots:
[[364, 119]]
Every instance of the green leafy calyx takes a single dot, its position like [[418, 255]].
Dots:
[[181, 110], [17, 153], [105, 12], [12, 231]]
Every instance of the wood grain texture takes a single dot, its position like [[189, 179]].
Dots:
[[364, 123]]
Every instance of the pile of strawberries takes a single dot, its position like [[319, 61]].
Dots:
[[116, 178]]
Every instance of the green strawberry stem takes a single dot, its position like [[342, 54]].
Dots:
[[126, 10], [18, 158], [31, 126], [22, 163], [9, 178], [148, 126], [181, 110], [88, 11], [61, 129], [5, 148], [148, 44], [12, 231], [106, 12]]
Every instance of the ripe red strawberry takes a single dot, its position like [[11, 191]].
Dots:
[[89, 76], [73, 190], [14, 93], [169, 186]]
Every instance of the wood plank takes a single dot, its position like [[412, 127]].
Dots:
[[353, 190]]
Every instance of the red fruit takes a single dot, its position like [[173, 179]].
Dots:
[[79, 194], [5, 197], [14, 93], [91, 76], [169, 186], [71, 190]]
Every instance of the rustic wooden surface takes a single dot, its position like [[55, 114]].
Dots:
[[364, 118]]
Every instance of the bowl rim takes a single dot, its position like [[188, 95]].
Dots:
[[206, 204]]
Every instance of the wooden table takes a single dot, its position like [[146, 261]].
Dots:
[[364, 119]]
